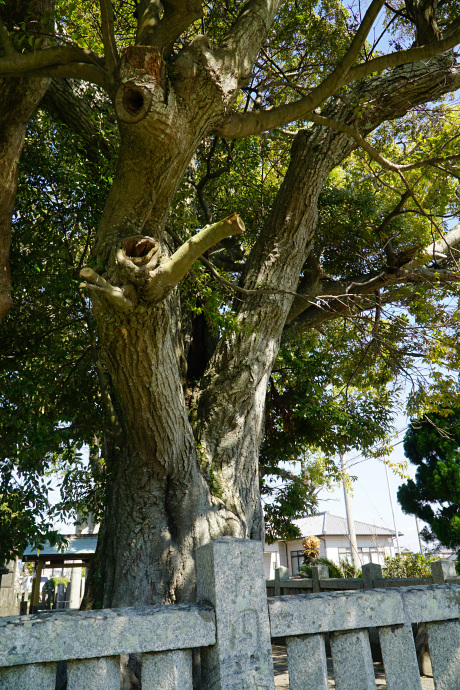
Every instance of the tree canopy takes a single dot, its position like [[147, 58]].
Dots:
[[432, 444], [233, 237]]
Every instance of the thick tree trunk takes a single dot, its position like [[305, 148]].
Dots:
[[162, 500], [161, 504]]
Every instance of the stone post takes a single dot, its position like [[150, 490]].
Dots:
[[35, 597], [281, 573], [371, 572], [318, 572], [230, 575], [60, 596], [441, 570], [75, 585], [67, 595]]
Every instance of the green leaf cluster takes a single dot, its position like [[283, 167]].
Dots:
[[407, 565], [433, 446]]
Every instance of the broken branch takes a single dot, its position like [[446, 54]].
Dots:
[[169, 273], [115, 295]]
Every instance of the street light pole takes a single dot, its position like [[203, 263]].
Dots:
[[350, 519], [392, 507], [419, 535]]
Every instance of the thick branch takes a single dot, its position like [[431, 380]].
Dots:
[[236, 127], [168, 274], [240, 125], [108, 35], [162, 33], [148, 14], [64, 61], [64, 103], [438, 251], [403, 57], [240, 47]]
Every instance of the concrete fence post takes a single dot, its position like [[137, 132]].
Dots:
[[319, 572], [371, 572], [281, 573], [230, 575], [441, 570]]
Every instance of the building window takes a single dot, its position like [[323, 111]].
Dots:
[[367, 554], [372, 554], [296, 561], [344, 553]]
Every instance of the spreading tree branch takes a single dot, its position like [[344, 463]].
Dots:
[[162, 31], [438, 251], [334, 298], [115, 295], [244, 124], [63, 61], [138, 261], [373, 153], [63, 102], [148, 13]]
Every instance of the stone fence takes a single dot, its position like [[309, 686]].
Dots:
[[442, 572], [232, 626]]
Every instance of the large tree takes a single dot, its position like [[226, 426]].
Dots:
[[183, 409]]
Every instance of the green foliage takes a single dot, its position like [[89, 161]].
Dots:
[[407, 565], [51, 584], [50, 401], [314, 413], [344, 569], [433, 445]]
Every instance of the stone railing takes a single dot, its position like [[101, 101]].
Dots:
[[92, 641], [442, 571], [230, 580], [346, 616], [233, 627]]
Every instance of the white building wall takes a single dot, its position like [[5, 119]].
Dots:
[[271, 561], [371, 549]]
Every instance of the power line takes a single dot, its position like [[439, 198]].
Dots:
[[379, 445]]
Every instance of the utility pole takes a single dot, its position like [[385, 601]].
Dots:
[[392, 507], [422, 551], [350, 519]]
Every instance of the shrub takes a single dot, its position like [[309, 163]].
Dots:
[[407, 565], [341, 570], [310, 549], [51, 584]]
